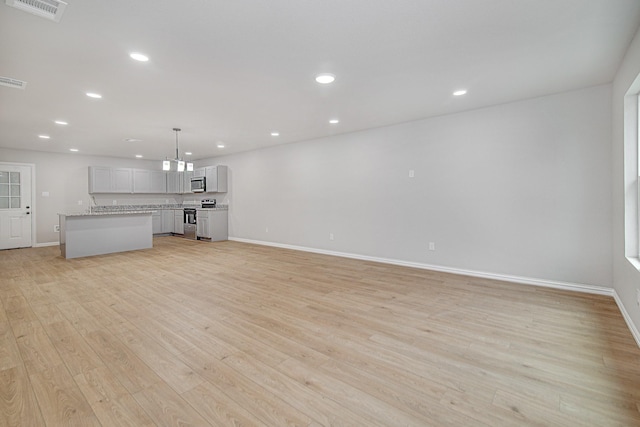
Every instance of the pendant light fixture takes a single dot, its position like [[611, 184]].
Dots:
[[166, 164]]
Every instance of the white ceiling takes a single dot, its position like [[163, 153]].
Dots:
[[234, 71]]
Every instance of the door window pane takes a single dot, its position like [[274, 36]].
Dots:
[[10, 190]]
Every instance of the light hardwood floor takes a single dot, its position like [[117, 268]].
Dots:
[[194, 333]]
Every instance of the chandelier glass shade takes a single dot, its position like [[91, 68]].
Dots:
[[180, 164]]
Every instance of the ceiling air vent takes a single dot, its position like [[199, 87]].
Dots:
[[49, 9], [9, 82]]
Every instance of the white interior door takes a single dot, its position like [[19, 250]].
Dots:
[[15, 206]]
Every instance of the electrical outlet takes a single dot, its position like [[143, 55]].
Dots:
[[432, 246], [266, 230], [330, 236], [80, 202], [56, 228], [411, 173], [114, 202]]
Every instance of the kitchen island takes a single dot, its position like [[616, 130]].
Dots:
[[98, 233]]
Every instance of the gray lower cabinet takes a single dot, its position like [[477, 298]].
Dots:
[[212, 224], [163, 221], [167, 221], [178, 221], [156, 222], [202, 225]]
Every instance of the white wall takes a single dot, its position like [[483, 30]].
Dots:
[[626, 277], [65, 178], [521, 189]]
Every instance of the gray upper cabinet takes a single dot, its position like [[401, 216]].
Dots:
[[99, 179], [122, 182], [175, 183], [110, 180], [147, 181], [158, 182], [216, 179], [179, 182], [141, 181], [186, 182]]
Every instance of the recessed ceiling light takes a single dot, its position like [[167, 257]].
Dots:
[[334, 121], [459, 92], [73, 149], [220, 145], [94, 95], [275, 134], [44, 136], [188, 153], [325, 78], [139, 57], [139, 156], [60, 122]]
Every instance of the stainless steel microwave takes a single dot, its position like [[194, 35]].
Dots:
[[198, 184]]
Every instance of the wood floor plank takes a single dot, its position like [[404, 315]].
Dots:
[[174, 372], [218, 408], [166, 407], [132, 372], [229, 333], [37, 350], [270, 409], [376, 411], [77, 354], [111, 401], [322, 409], [9, 353], [18, 406], [60, 400]]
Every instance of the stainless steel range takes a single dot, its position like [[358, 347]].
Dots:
[[190, 223], [208, 203]]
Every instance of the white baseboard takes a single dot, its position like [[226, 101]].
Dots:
[[41, 245], [568, 286], [627, 318], [592, 289]]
